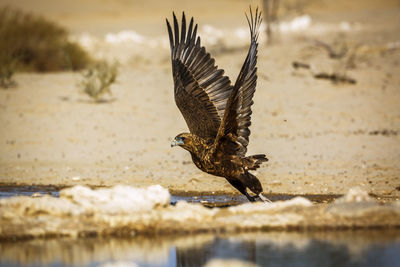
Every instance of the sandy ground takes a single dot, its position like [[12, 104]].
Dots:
[[320, 137]]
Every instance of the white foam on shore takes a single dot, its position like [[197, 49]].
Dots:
[[119, 199], [123, 209]]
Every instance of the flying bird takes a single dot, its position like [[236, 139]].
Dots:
[[217, 113]]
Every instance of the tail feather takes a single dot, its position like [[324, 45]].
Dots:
[[253, 162]]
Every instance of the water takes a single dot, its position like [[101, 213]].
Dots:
[[206, 200], [357, 248], [314, 248], [9, 191], [231, 200]]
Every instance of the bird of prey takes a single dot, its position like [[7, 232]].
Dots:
[[217, 113]]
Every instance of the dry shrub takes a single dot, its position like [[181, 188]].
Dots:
[[37, 44], [98, 78], [7, 69]]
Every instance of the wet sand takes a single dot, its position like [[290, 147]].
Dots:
[[320, 137]]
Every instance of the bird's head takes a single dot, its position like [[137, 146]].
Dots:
[[183, 140]]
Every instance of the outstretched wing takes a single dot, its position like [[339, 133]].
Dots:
[[233, 134], [201, 90]]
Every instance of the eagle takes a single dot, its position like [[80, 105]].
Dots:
[[217, 113]]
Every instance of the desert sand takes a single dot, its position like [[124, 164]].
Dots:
[[320, 137]]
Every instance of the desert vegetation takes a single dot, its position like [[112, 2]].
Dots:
[[98, 79], [7, 69], [29, 42]]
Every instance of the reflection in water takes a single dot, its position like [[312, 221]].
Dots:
[[358, 248]]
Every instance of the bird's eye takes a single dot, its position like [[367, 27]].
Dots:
[[183, 138]]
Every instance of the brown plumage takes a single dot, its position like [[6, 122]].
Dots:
[[217, 113]]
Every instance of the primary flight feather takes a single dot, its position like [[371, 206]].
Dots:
[[217, 113]]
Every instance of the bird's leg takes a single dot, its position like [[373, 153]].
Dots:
[[241, 188], [250, 198]]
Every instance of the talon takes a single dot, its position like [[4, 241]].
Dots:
[[264, 199]]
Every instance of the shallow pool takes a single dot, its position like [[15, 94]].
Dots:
[[285, 248], [348, 248]]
